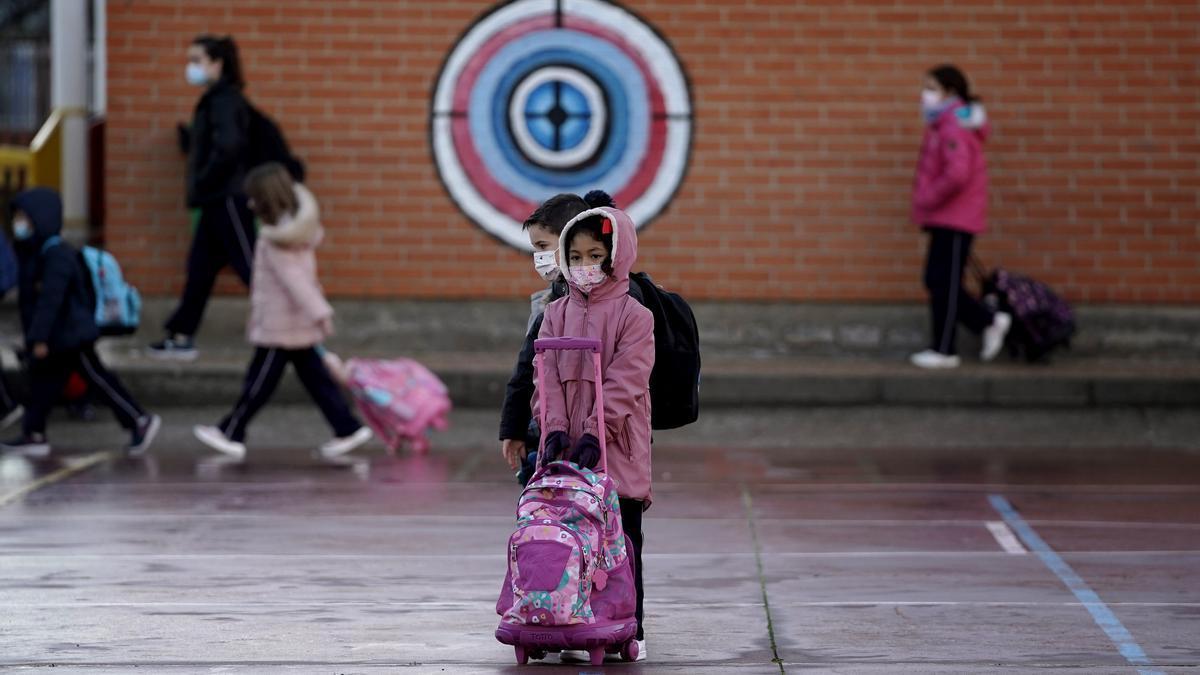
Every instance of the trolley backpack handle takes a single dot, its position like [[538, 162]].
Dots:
[[592, 345]]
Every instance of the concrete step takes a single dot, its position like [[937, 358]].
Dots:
[[754, 355], [478, 379]]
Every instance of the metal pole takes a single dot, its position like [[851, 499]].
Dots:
[[68, 92], [99, 57]]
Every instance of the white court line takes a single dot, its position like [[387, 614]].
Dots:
[[1005, 537], [27, 555], [452, 604]]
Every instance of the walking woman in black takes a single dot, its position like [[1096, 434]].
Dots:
[[216, 147]]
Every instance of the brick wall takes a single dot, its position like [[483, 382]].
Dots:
[[805, 137]]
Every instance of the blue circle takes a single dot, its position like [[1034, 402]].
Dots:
[[571, 102], [616, 74]]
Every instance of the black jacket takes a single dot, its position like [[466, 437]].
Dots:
[[516, 415], [217, 145], [56, 307]]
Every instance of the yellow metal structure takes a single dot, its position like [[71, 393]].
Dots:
[[39, 165]]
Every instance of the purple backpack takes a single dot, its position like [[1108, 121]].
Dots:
[[1042, 321]]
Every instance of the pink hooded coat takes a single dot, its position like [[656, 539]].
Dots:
[[287, 306], [951, 185], [626, 330]]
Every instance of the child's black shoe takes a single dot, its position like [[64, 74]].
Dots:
[[33, 446]]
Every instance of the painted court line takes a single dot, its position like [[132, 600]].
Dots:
[[1005, 537], [71, 469], [1101, 614]]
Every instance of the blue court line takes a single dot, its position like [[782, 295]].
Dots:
[[1101, 614]]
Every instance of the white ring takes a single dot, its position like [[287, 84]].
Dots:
[[558, 159]]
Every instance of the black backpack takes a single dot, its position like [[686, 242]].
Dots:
[[267, 144], [675, 380]]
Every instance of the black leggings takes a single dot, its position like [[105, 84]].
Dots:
[[224, 236], [631, 521], [949, 302], [6, 401], [48, 376], [263, 376]]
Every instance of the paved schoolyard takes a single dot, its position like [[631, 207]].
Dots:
[[759, 559]]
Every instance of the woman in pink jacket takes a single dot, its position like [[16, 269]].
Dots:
[[950, 202], [289, 316], [597, 250]]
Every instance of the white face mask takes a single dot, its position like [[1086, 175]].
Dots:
[[587, 277], [546, 264], [195, 75], [22, 229], [930, 100]]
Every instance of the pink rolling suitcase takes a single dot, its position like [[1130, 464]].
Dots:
[[400, 399], [570, 576]]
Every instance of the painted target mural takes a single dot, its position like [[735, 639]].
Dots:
[[540, 97]]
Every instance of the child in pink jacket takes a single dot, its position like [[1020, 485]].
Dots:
[[597, 250], [949, 201], [289, 316]]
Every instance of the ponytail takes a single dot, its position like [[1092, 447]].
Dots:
[[225, 50], [954, 81]]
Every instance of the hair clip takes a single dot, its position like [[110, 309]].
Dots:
[[607, 227]]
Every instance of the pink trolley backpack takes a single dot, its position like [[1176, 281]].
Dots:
[[400, 399], [570, 579]]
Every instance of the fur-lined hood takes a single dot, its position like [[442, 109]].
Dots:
[[300, 229]]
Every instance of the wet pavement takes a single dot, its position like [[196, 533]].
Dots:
[[766, 559]]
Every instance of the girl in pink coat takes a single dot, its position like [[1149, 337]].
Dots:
[[950, 202], [289, 316], [597, 250]]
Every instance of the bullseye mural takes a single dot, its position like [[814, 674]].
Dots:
[[548, 96]]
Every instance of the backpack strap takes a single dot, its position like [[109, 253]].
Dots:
[[51, 243]]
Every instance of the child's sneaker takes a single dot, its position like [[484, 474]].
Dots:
[[217, 440], [175, 347], [994, 335], [10, 418], [340, 446], [143, 436], [574, 656], [33, 446], [932, 360]]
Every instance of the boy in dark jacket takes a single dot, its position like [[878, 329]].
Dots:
[[57, 315]]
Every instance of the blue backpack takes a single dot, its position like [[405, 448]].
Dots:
[[8, 266], [118, 304]]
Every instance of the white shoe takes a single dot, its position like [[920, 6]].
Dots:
[[993, 336], [574, 656], [12, 416], [340, 446], [931, 360], [217, 440]]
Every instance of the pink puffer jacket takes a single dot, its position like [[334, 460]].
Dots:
[[626, 330], [951, 185], [287, 306]]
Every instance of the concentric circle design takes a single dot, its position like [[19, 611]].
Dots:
[[548, 96]]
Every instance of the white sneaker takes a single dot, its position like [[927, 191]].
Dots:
[[12, 416], [993, 336], [574, 656], [340, 446], [932, 360], [217, 440]]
